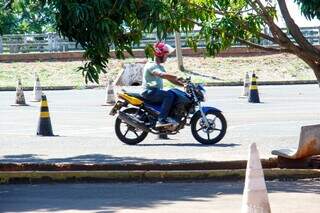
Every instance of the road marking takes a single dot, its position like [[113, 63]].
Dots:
[[87, 131], [266, 123]]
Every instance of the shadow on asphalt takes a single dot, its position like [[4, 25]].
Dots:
[[88, 159], [112, 197], [192, 144]]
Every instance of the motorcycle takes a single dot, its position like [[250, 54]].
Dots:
[[137, 117]]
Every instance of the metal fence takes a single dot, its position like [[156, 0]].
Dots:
[[52, 42], [26, 43]]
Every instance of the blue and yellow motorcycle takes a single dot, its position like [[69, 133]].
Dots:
[[137, 117]]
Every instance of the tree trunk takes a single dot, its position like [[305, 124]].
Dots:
[[309, 59], [179, 51], [301, 48]]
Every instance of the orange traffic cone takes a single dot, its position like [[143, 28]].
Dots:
[[44, 124], [254, 94], [255, 195], [20, 100], [37, 91], [110, 97]]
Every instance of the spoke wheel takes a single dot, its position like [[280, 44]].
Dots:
[[214, 132], [129, 134]]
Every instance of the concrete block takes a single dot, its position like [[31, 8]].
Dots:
[[131, 75], [309, 144]]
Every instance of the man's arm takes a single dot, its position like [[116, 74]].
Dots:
[[172, 78]]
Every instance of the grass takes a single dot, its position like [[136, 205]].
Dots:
[[268, 68]]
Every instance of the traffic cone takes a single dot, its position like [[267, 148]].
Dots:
[[20, 100], [37, 91], [246, 85], [110, 97], [254, 94], [255, 195], [44, 124]]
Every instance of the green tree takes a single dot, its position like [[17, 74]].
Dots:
[[310, 8], [26, 16], [7, 20], [100, 25]]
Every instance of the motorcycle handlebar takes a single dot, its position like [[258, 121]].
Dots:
[[185, 80]]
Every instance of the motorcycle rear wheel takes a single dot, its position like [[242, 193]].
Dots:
[[218, 124], [138, 135]]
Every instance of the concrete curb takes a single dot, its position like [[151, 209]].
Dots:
[[205, 165], [51, 88], [235, 83], [239, 83], [31, 177]]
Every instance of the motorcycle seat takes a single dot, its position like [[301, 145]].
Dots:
[[136, 95], [139, 96]]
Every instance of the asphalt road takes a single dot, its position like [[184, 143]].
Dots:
[[86, 131], [223, 197]]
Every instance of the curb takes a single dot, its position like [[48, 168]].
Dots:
[[240, 83], [31, 177], [209, 84], [51, 88], [206, 165]]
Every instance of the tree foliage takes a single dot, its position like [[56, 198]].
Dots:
[[7, 21], [26, 16], [101, 25], [310, 8]]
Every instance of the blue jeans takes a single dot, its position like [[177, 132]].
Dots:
[[159, 96]]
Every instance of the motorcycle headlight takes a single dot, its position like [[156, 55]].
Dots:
[[204, 94], [201, 93]]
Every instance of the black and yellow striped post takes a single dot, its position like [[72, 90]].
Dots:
[[44, 125], [253, 93]]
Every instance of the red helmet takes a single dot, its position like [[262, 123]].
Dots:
[[161, 49]]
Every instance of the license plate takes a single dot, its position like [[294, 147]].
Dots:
[[115, 108]]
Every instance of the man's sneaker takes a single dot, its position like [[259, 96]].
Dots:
[[172, 121], [162, 124]]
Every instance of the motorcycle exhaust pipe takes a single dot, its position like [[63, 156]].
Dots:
[[132, 121]]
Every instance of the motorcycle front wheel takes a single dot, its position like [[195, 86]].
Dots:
[[212, 134], [127, 133]]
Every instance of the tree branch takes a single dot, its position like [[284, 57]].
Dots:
[[278, 34], [294, 29], [267, 37], [263, 35], [271, 49], [193, 22], [209, 10]]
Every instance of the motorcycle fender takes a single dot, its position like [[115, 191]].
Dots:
[[205, 110]]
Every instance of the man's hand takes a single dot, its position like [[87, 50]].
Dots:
[[172, 78], [182, 81]]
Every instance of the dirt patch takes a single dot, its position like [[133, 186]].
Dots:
[[277, 67]]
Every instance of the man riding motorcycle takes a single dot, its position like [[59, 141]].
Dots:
[[157, 111], [153, 75]]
